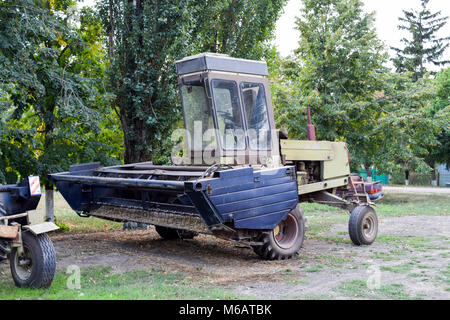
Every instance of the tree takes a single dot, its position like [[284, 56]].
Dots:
[[145, 38], [239, 28], [440, 111], [424, 46], [405, 128], [52, 86], [341, 60], [286, 94]]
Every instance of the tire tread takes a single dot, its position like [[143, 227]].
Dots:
[[267, 251], [353, 225]]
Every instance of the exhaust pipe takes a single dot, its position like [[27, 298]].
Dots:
[[310, 129]]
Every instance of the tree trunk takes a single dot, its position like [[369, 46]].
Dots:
[[135, 141], [111, 31]]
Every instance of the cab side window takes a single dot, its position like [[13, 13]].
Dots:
[[255, 108]]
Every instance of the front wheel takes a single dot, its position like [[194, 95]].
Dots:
[[285, 239], [35, 266], [363, 225]]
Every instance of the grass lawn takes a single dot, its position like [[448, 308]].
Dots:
[[68, 220], [100, 283], [358, 289], [321, 217]]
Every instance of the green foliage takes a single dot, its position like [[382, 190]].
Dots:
[[52, 93], [404, 127], [341, 59], [440, 111], [336, 71], [424, 47], [286, 94], [239, 28], [145, 38]]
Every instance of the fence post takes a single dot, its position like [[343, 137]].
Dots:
[[49, 204]]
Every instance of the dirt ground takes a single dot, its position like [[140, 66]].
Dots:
[[411, 256]]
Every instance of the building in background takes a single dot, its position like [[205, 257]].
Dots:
[[444, 175]]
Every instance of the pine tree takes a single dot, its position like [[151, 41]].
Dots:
[[425, 47]]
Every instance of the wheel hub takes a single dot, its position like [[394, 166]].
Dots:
[[286, 232], [368, 226], [23, 263]]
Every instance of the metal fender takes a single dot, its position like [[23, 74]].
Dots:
[[41, 227]]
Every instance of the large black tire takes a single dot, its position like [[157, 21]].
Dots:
[[363, 225], [172, 234], [35, 268], [285, 240]]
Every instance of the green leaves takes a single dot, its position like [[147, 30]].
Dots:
[[405, 127], [339, 72], [340, 58], [51, 74], [239, 28], [145, 38]]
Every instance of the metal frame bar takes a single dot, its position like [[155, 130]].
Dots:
[[109, 181], [15, 216], [156, 172]]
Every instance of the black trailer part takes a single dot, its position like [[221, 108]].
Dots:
[[27, 246]]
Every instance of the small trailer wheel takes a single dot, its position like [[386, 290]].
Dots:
[[285, 239], [363, 225], [35, 266]]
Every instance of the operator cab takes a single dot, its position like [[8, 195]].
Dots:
[[227, 111]]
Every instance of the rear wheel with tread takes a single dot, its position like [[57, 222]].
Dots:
[[285, 240]]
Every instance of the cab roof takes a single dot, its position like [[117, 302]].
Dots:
[[220, 62]]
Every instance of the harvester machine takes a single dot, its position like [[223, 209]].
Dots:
[[233, 176]]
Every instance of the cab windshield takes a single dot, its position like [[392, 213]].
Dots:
[[198, 118]]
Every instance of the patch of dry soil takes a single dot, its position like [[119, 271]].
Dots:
[[410, 251]]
